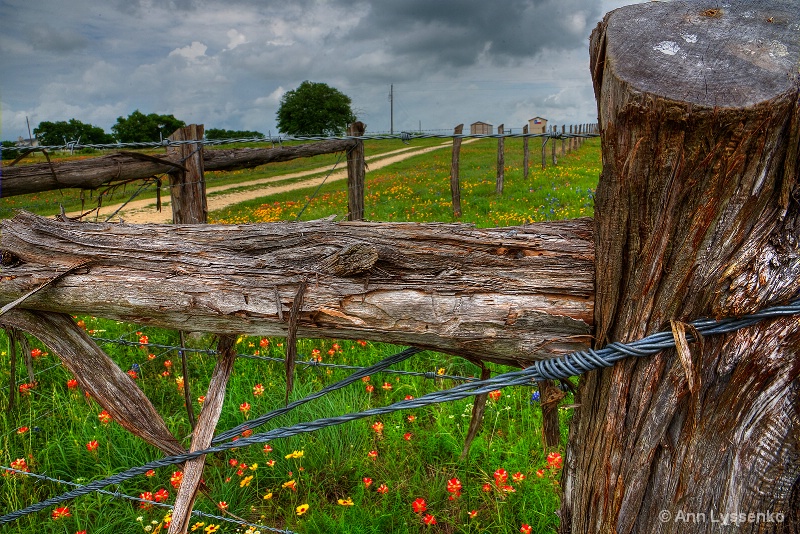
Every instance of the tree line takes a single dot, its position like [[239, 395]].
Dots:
[[311, 109]]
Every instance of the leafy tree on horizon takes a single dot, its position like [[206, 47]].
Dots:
[[217, 133], [141, 128], [315, 109], [60, 132]]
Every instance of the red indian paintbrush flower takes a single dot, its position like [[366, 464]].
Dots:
[[419, 505]]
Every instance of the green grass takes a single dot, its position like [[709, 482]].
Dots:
[[50, 202], [60, 421], [418, 189]]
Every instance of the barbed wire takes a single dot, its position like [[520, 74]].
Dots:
[[572, 364], [120, 495], [307, 363], [403, 136]]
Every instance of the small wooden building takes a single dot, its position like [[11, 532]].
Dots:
[[480, 128], [26, 142], [537, 125]]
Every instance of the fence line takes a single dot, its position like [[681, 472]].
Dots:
[[403, 136], [570, 365]]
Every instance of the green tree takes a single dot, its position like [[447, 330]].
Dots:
[[216, 133], [9, 150], [141, 128], [314, 109], [61, 132]]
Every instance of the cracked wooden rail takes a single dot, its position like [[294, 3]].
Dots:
[[506, 295], [122, 166]]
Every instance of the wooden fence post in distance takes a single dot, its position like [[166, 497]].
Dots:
[[455, 185], [526, 154], [188, 188], [696, 215], [501, 161], [356, 169]]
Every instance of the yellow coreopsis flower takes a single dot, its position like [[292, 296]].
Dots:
[[303, 508]]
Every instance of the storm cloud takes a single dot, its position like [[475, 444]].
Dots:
[[227, 63]]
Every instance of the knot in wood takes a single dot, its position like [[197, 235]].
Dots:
[[9, 259], [353, 259]]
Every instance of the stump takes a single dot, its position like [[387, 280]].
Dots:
[[696, 215]]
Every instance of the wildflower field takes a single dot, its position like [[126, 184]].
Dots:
[[402, 472]]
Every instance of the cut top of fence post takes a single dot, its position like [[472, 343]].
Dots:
[[707, 58]]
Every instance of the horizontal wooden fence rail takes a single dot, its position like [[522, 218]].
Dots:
[[123, 166], [506, 295]]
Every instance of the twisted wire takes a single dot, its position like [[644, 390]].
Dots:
[[306, 363], [564, 367], [403, 136]]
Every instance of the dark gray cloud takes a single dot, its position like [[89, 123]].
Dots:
[[47, 38], [459, 33], [227, 63]]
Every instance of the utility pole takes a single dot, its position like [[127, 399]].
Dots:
[[391, 109]]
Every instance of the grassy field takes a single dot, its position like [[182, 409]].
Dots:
[[50, 202], [370, 475], [418, 189]]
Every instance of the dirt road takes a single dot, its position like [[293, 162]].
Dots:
[[144, 211]]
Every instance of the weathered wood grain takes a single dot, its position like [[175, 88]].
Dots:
[[97, 374], [202, 435], [119, 167], [188, 188], [509, 295], [696, 215]]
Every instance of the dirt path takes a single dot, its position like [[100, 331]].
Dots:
[[144, 211]]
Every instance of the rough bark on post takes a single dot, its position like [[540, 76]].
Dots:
[[356, 169], [544, 154], [476, 421], [526, 154], [501, 162], [553, 147], [202, 435], [188, 188], [571, 139], [697, 215], [455, 185], [550, 396]]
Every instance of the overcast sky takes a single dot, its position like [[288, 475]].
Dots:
[[226, 63]]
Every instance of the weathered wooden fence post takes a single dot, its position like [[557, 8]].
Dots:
[[553, 147], [544, 154], [455, 185], [549, 397], [356, 170], [188, 188], [697, 215], [571, 139], [563, 140], [526, 154], [501, 161], [188, 207]]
